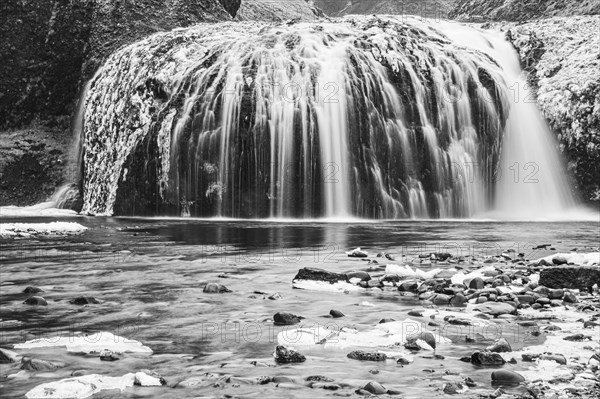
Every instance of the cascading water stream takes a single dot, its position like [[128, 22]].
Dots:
[[367, 117]]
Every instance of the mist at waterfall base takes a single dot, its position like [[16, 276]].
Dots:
[[365, 117]]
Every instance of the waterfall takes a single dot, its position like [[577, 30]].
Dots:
[[365, 116]]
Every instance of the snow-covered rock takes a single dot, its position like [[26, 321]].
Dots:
[[92, 343]]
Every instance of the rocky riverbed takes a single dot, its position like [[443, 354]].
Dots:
[[215, 315]]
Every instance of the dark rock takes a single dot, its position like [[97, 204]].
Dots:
[[569, 297], [487, 359], [32, 290], [410, 286], [499, 346], [578, 338], [426, 336], [215, 288], [36, 301], [559, 260], [40, 365], [507, 377], [357, 253], [370, 356], [458, 300], [84, 300], [441, 299], [572, 277], [556, 293], [416, 312], [336, 313], [313, 274], [108, 356], [363, 276], [375, 388], [402, 360], [286, 319], [386, 320], [452, 388], [285, 355], [469, 382], [318, 378], [477, 283]]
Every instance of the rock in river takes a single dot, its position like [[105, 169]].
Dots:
[[215, 288], [371, 356], [36, 301], [285, 355], [499, 346], [40, 365], [487, 359], [336, 313], [425, 336], [314, 274], [374, 387], [507, 377], [7, 356], [84, 300], [496, 308], [32, 290], [286, 319]]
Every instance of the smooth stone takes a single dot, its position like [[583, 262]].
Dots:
[[556, 293], [84, 300], [569, 297], [525, 299], [410, 286], [375, 388], [441, 299], [386, 320], [499, 346], [507, 377], [426, 336], [32, 290], [285, 355], [363, 276], [369, 356], [286, 319], [560, 260], [215, 288], [543, 301], [487, 359], [481, 299], [416, 312], [336, 313], [30, 364], [458, 300], [496, 308], [476, 283], [36, 301]]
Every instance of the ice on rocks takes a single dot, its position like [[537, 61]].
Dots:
[[92, 343]]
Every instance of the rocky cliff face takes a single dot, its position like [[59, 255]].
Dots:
[[49, 49], [277, 10], [426, 8], [521, 10]]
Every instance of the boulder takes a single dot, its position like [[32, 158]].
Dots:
[[336, 313], [477, 283], [572, 277], [285, 355], [374, 388], [32, 290], [487, 359], [426, 336], [286, 319], [458, 300], [499, 346], [314, 274], [507, 377], [496, 308], [215, 288], [569, 297], [559, 260], [441, 299], [35, 301]]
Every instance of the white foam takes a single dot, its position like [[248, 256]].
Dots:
[[8, 230], [93, 343]]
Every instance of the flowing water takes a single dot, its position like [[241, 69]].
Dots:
[[148, 275]]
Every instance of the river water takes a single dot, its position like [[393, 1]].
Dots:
[[148, 275]]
